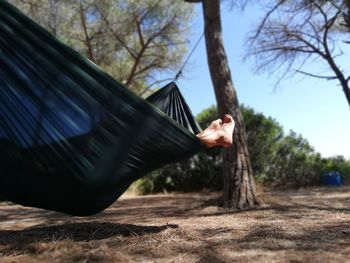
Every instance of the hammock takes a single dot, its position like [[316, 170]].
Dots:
[[72, 139]]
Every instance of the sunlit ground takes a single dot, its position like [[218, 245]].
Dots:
[[307, 225]]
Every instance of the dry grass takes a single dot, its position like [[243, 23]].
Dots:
[[306, 225]]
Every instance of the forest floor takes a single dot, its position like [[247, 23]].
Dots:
[[305, 225]]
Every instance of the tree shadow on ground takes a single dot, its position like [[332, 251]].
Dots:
[[147, 208], [22, 240], [136, 210], [282, 208], [328, 237], [333, 239]]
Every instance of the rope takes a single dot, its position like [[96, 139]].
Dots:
[[194, 48], [189, 56]]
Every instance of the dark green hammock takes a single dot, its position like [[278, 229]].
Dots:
[[72, 139]]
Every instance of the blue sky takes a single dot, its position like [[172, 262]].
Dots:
[[315, 108]]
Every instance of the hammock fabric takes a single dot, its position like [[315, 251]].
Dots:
[[72, 139]]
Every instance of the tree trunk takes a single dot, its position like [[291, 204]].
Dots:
[[239, 188], [53, 4]]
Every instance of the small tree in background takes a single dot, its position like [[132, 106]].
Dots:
[[295, 33], [131, 40], [278, 159]]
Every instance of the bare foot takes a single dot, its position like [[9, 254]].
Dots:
[[228, 127], [219, 133]]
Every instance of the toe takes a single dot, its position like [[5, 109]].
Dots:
[[228, 118], [216, 123]]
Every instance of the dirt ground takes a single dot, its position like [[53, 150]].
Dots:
[[305, 225]]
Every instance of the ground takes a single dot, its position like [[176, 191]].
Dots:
[[305, 225]]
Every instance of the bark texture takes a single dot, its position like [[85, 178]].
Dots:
[[239, 187]]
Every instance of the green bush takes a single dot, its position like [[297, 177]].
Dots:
[[277, 159]]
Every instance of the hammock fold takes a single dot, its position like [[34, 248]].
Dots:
[[72, 139]]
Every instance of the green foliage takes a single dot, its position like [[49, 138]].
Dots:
[[277, 159], [337, 163], [203, 171], [262, 134], [295, 162], [131, 40]]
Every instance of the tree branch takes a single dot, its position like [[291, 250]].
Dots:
[[347, 79], [316, 76], [87, 38], [139, 30], [266, 17], [153, 64], [117, 37], [149, 86], [143, 49]]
